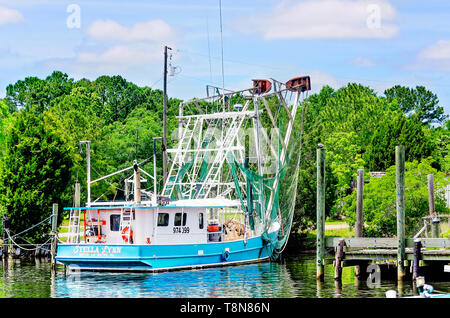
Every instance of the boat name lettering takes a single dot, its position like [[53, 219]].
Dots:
[[96, 250]]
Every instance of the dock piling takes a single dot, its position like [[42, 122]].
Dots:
[[359, 212], [320, 209], [435, 222], [416, 258], [338, 260], [400, 203], [359, 203], [54, 234], [5, 238], [408, 254]]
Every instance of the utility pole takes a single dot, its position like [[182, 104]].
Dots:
[[164, 141]]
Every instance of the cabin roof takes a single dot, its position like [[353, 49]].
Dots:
[[197, 203]]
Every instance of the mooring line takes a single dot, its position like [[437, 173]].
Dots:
[[27, 249]]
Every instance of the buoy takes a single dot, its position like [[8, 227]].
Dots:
[[124, 234]]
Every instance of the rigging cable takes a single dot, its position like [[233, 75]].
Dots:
[[221, 46]]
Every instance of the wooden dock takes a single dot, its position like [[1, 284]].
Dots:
[[386, 250], [406, 254]]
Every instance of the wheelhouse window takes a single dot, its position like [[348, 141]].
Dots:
[[180, 219], [200, 221], [114, 222], [163, 219]]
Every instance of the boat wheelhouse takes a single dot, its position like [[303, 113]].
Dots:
[[226, 200]]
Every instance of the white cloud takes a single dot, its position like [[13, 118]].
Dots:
[[362, 62], [437, 51], [8, 16], [114, 46], [433, 57], [152, 30], [324, 19], [121, 56]]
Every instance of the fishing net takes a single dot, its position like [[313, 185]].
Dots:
[[270, 199], [266, 188]]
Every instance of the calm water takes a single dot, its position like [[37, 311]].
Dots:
[[293, 278]]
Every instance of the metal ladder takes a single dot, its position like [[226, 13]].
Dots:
[[74, 226], [179, 156]]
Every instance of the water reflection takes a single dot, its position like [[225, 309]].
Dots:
[[293, 278], [256, 280]]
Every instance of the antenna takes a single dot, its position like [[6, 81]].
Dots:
[[221, 46], [209, 50]]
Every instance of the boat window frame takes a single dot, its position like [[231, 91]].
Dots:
[[111, 222], [201, 221], [166, 219], [182, 220]]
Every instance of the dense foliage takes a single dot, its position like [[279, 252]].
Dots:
[[42, 122], [360, 131]]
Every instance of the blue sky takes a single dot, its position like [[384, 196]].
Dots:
[[379, 43]]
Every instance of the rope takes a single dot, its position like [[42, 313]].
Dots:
[[11, 238], [27, 249]]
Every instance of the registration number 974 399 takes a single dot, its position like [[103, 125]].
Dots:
[[181, 229]]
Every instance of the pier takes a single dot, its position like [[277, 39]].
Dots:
[[409, 255]]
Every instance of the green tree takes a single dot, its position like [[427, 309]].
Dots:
[[345, 121], [39, 94], [379, 202], [35, 172], [4, 118], [394, 131], [418, 101], [440, 139], [344, 159]]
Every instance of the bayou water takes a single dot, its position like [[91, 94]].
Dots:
[[292, 278]]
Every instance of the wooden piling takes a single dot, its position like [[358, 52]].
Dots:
[[320, 210], [435, 222], [339, 257], [359, 203], [400, 203], [5, 238], [416, 258], [359, 212], [54, 235]]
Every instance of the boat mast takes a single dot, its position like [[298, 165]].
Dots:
[[88, 170], [223, 93], [164, 146]]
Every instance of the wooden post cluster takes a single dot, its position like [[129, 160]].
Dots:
[[320, 240], [400, 204]]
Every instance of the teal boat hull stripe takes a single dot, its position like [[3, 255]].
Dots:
[[158, 257]]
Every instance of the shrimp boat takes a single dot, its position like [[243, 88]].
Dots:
[[228, 197]]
